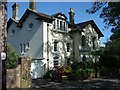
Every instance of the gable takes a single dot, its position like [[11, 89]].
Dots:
[[41, 16], [60, 16], [93, 25], [10, 21]]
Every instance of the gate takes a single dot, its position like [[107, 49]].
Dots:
[[38, 67]]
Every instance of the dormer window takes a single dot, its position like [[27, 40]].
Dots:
[[59, 25]]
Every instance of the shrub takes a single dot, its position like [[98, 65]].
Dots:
[[12, 57]]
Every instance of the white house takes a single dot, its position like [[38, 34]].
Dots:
[[50, 39]]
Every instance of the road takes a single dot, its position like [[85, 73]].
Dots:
[[89, 84]]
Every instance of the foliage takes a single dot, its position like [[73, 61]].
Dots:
[[98, 52], [110, 12], [81, 70], [12, 57], [109, 65], [110, 58], [67, 69], [47, 75]]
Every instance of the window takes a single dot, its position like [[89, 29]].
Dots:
[[83, 41], [68, 47], [56, 57], [93, 41], [58, 24], [53, 24], [21, 48], [12, 32], [56, 63], [61, 25], [68, 61], [28, 45], [84, 58], [55, 45], [30, 25], [24, 47], [64, 26]]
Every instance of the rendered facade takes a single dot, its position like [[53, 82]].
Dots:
[[51, 40]]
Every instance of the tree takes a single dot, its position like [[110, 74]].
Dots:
[[12, 57], [111, 17], [110, 13]]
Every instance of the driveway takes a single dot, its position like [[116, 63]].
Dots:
[[88, 84]]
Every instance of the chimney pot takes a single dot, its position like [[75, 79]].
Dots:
[[32, 4], [71, 15]]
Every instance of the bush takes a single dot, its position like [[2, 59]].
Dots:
[[12, 57], [67, 69], [47, 75], [81, 70]]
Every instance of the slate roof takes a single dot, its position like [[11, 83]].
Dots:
[[26, 14], [50, 18], [84, 24]]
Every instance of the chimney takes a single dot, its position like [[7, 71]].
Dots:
[[32, 4], [15, 11], [71, 15]]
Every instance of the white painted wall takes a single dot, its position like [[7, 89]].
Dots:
[[89, 33], [62, 38]]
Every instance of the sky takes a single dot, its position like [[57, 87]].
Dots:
[[64, 7]]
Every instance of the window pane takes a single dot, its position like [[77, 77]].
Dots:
[[53, 24], [93, 41], [64, 27], [55, 46], [24, 47], [60, 25], [68, 47], [21, 48], [56, 63]]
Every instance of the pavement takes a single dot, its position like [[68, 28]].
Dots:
[[88, 84]]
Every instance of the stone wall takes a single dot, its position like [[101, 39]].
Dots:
[[20, 77]]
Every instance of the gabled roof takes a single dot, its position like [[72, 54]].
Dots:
[[70, 25], [41, 15], [10, 22], [57, 15], [84, 24], [26, 14]]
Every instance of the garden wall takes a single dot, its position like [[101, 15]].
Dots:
[[19, 77]]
